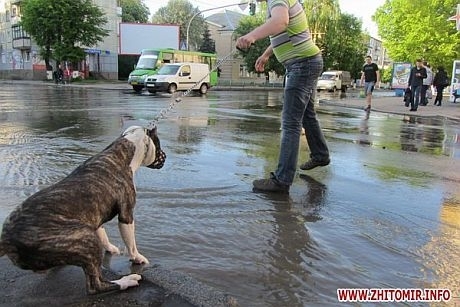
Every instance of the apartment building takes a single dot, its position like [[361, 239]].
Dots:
[[378, 53], [20, 58], [222, 26]]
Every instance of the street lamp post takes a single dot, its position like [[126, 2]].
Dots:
[[242, 4]]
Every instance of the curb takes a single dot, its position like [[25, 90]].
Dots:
[[188, 288]]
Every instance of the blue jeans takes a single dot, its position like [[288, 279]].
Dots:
[[369, 87], [415, 98], [299, 111]]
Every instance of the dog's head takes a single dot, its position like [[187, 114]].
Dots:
[[148, 142]]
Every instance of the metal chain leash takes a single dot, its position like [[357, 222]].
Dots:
[[163, 112]]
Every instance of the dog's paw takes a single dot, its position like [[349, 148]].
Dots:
[[127, 281], [112, 249], [139, 259]]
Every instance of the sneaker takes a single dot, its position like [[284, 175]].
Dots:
[[311, 164], [270, 186], [413, 110]]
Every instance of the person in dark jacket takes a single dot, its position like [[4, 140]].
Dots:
[[59, 75], [440, 81], [417, 74]]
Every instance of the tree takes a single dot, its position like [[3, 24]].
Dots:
[[246, 25], [60, 27], [419, 29], [134, 11], [321, 15], [180, 12], [208, 44], [343, 47]]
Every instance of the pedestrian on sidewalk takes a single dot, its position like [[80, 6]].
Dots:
[[292, 44], [417, 74], [370, 76], [426, 87], [440, 81]]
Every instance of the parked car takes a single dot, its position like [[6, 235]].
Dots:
[[333, 80], [180, 77]]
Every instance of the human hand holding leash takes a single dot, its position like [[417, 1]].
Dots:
[[244, 42]]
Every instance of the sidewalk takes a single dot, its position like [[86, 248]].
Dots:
[[395, 105]]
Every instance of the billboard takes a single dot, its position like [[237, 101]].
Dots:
[[401, 73], [455, 81], [137, 36]]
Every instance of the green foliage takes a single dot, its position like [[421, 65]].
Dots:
[[208, 44], [321, 15], [386, 74], [246, 25], [180, 12], [60, 27], [419, 29], [342, 45], [134, 11]]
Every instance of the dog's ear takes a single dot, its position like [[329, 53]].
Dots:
[[160, 156]]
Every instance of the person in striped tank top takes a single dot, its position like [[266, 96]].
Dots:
[[292, 45]]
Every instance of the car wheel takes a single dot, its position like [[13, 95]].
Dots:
[[203, 88], [172, 88], [137, 88]]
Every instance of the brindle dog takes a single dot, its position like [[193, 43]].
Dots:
[[62, 224]]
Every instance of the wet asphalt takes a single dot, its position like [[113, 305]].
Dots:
[[160, 287]]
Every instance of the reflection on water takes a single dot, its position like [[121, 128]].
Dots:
[[443, 247], [373, 218], [420, 134]]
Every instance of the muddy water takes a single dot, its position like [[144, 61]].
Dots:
[[384, 214]]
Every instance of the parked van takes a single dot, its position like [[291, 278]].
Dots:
[[179, 77], [333, 80]]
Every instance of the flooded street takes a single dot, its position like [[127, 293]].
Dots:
[[384, 214]]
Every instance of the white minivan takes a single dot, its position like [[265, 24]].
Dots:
[[174, 77], [333, 80]]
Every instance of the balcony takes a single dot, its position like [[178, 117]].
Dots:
[[22, 43], [21, 39]]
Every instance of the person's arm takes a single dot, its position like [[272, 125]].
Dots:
[[361, 82], [263, 59], [277, 23], [423, 73]]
